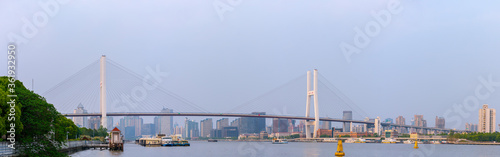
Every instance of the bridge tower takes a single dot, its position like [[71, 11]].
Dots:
[[104, 119], [314, 93]]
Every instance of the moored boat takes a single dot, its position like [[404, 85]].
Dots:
[[280, 141]]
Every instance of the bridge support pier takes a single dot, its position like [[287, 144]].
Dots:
[[104, 119], [314, 93]]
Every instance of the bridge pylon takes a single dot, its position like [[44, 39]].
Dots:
[[311, 93], [104, 119]]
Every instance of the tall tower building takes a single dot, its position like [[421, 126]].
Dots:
[[487, 120], [80, 121], [400, 120], [221, 123], [206, 127], [164, 124], [440, 122], [347, 115]]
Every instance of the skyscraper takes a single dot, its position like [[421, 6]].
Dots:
[[252, 124], [80, 121], [191, 129], [347, 115], [280, 125], [166, 122], [221, 123], [440, 122], [487, 120], [400, 120], [206, 127]]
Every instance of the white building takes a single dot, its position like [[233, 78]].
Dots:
[[80, 121], [487, 120]]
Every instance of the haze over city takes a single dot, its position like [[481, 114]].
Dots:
[[426, 60]]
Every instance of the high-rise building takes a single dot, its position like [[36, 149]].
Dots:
[[347, 115], [191, 129], [148, 129], [95, 122], [235, 122], [419, 121], [291, 125], [221, 123], [164, 124], [471, 127], [487, 119], [230, 131], [280, 125], [400, 120], [252, 124], [206, 127], [110, 123], [325, 125], [134, 121], [440, 122], [80, 121]]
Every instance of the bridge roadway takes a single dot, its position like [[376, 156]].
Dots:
[[242, 115]]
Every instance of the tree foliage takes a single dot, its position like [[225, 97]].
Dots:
[[40, 129]]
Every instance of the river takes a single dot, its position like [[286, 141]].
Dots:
[[296, 149]]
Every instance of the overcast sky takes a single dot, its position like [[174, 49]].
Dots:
[[423, 60]]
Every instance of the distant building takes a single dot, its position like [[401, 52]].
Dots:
[[487, 119], [80, 121], [148, 129], [347, 115], [230, 131], [263, 135], [95, 122], [110, 123], [420, 122], [134, 121], [280, 125], [164, 124], [400, 120], [291, 125], [440, 122], [249, 125], [130, 133], [191, 129], [470, 127], [221, 123], [206, 127]]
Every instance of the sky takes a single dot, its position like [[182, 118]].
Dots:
[[427, 58]]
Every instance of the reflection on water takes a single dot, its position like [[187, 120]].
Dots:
[[292, 149]]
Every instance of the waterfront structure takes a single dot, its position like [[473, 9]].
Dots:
[[206, 127], [440, 122], [487, 120], [347, 115], [80, 121]]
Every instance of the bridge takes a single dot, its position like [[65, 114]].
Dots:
[[85, 80]]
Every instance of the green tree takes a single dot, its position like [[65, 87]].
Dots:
[[40, 129]]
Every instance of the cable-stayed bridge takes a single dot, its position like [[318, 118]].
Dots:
[[120, 92]]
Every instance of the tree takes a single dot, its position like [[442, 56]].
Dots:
[[40, 129]]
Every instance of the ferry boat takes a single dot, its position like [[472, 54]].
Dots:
[[212, 140], [174, 141], [389, 140], [280, 141], [411, 142], [333, 140], [357, 140]]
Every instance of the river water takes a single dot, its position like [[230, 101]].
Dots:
[[296, 149]]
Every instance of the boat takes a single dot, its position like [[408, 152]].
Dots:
[[407, 142], [389, 140], [436, 142], [212, 140], [355, 140], [333, 140], [174, 141], [280, 141]]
